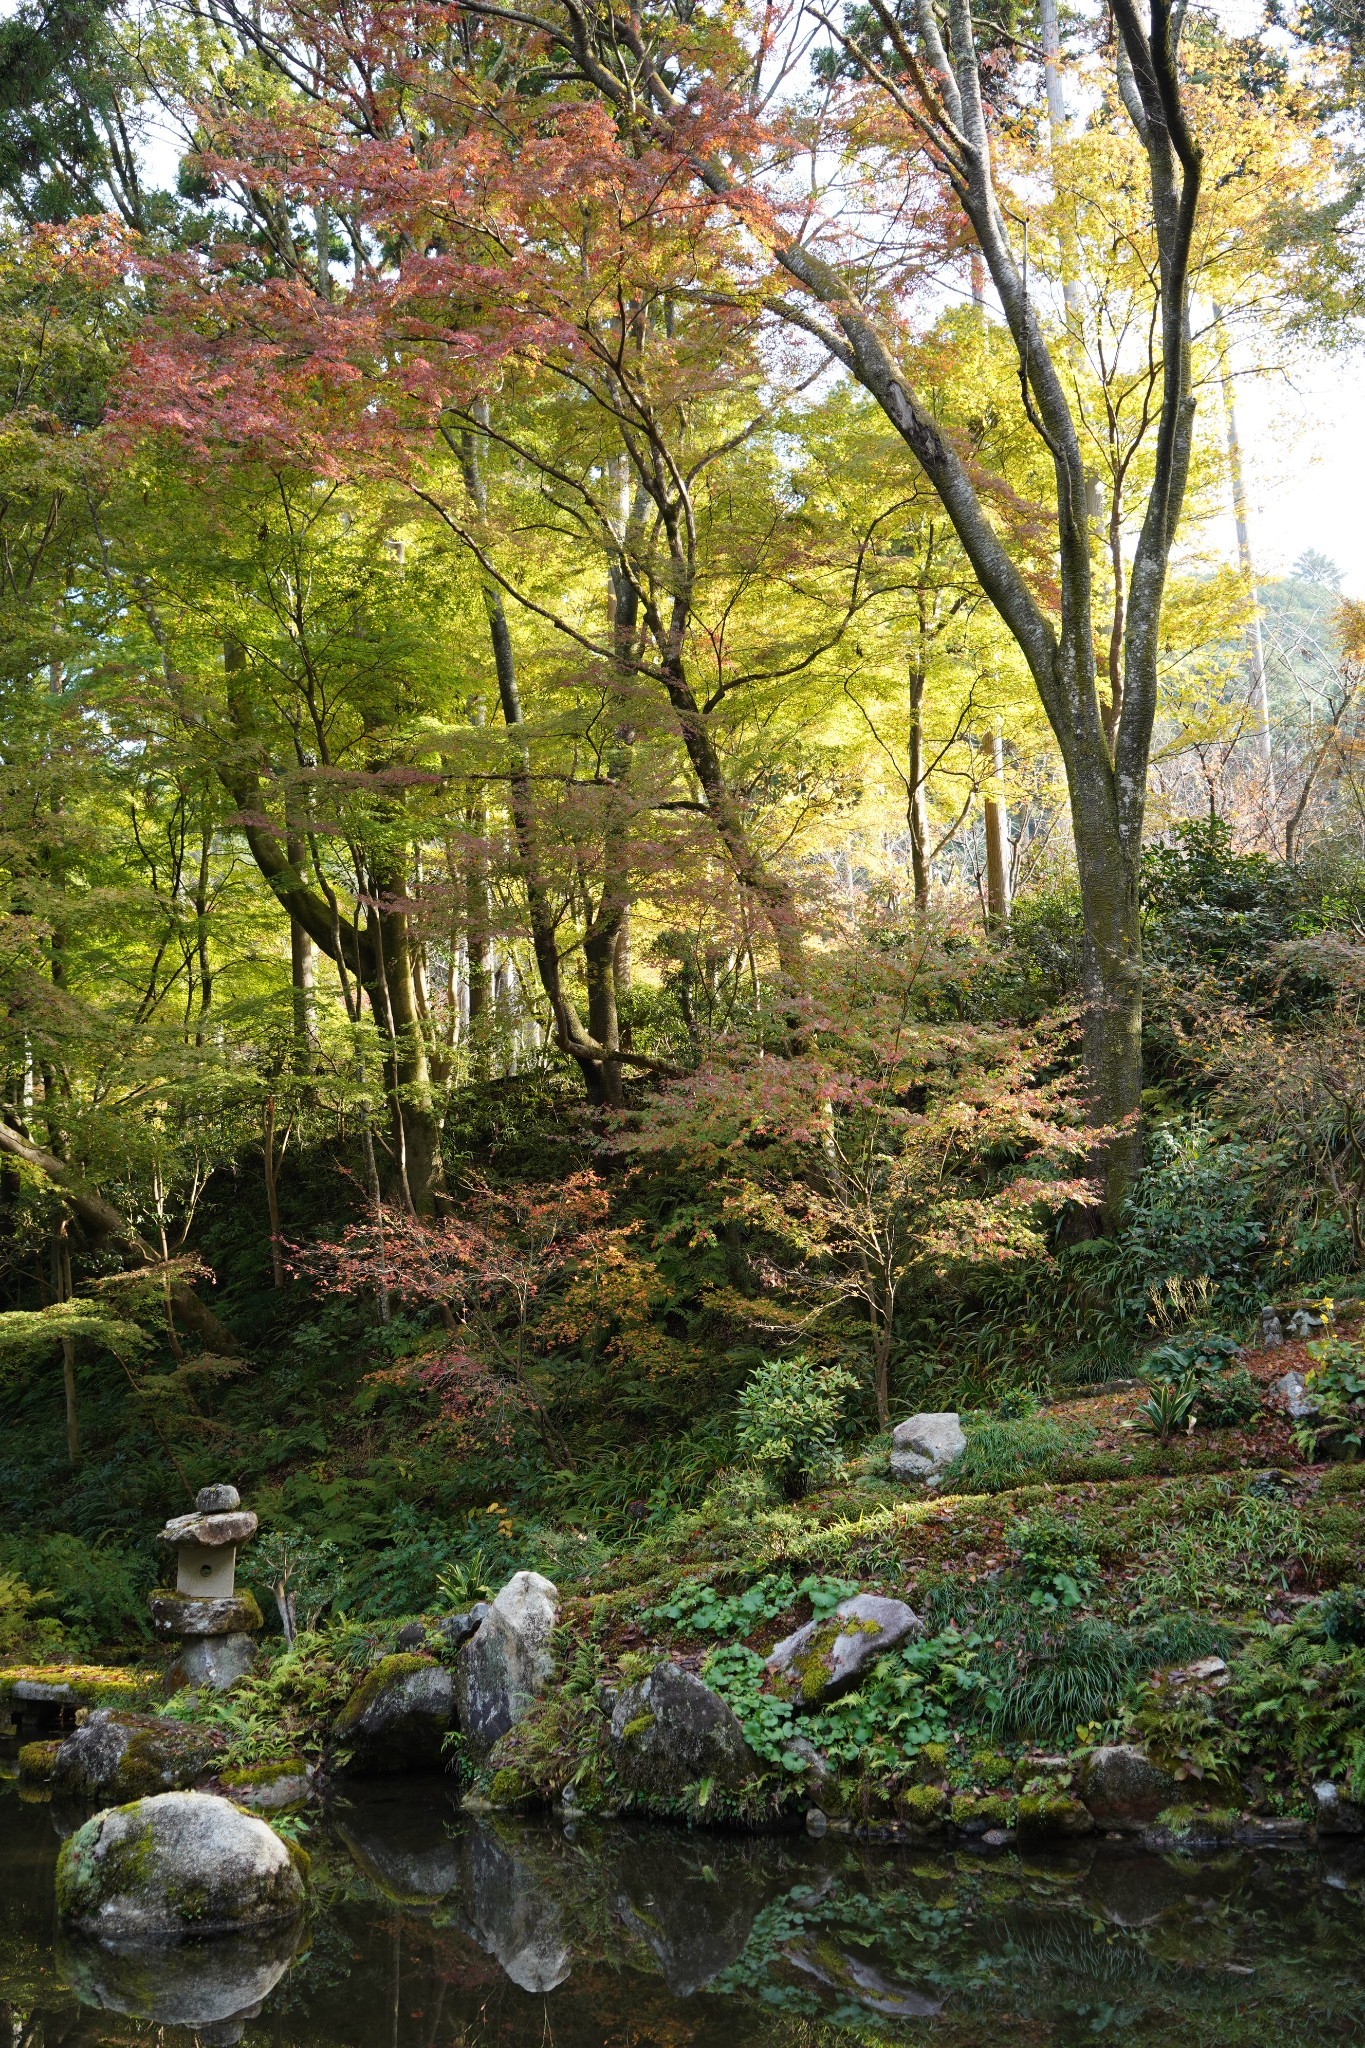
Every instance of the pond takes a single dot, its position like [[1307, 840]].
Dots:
[[430, 1928]]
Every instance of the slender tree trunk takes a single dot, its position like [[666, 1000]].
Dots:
[[478, 922], [301, 974], [593, 1056], [997, 840], [917, 807]]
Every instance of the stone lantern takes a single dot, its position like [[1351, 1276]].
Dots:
[[213, 1622]]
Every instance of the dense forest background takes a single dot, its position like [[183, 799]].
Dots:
[[539, 892]]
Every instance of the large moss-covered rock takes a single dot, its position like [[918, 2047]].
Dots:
[[1122, 1787], [830, 1656], [670, 1732], [184, 1863], [507, 1661], [118, 1756], [399, 1715]]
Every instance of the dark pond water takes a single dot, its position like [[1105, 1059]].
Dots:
[[430, 1929]]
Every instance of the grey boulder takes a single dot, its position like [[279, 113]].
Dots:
[[399, 1715], [1335, 1815], [926, 1445], [182, 1864], [1297, 1401], [212, 1662], [119, 1756], [1120, 1785], [506, 1662], [670, 1732], [830, 1656]]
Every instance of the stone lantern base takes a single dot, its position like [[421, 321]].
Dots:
[[215, 1636]]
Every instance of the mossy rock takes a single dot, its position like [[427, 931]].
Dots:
[[399, 1715], [831, 1656], [37, 1762], [923, 1806], [270, 1788], [979, 1811], [117, 1756], [78, 1685], [562, 1742], [931, 1765], [991, 1770], [1048, 1816], [671, 1733], [184, 1863]]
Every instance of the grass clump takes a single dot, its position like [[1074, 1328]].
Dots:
[[1004, 1452]]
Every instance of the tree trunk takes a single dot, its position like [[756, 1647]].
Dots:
[[301, 976], [478, 924], [917, 807], [997, 841]]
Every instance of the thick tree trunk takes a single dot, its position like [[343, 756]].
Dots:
[[1108, 874]]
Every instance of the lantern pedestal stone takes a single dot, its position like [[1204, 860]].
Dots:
[[212, 1621]]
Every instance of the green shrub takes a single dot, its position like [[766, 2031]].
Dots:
[[1054, 1561], [1336, 1382], [789, 1413], [1190, 1235]]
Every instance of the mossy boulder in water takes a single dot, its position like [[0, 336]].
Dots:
[[670, 1732], [178, 1865], [399, 1715], [1122, 1787], [507, 1662], [120, 1756], [831, 1656]]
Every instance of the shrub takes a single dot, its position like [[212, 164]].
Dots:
[[1190, 1237], [1054, 1561], [1336, 1382], [789, 1414], [1191, 1383]]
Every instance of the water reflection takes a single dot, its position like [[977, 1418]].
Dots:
[[211, 1987], [434, 1929]]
